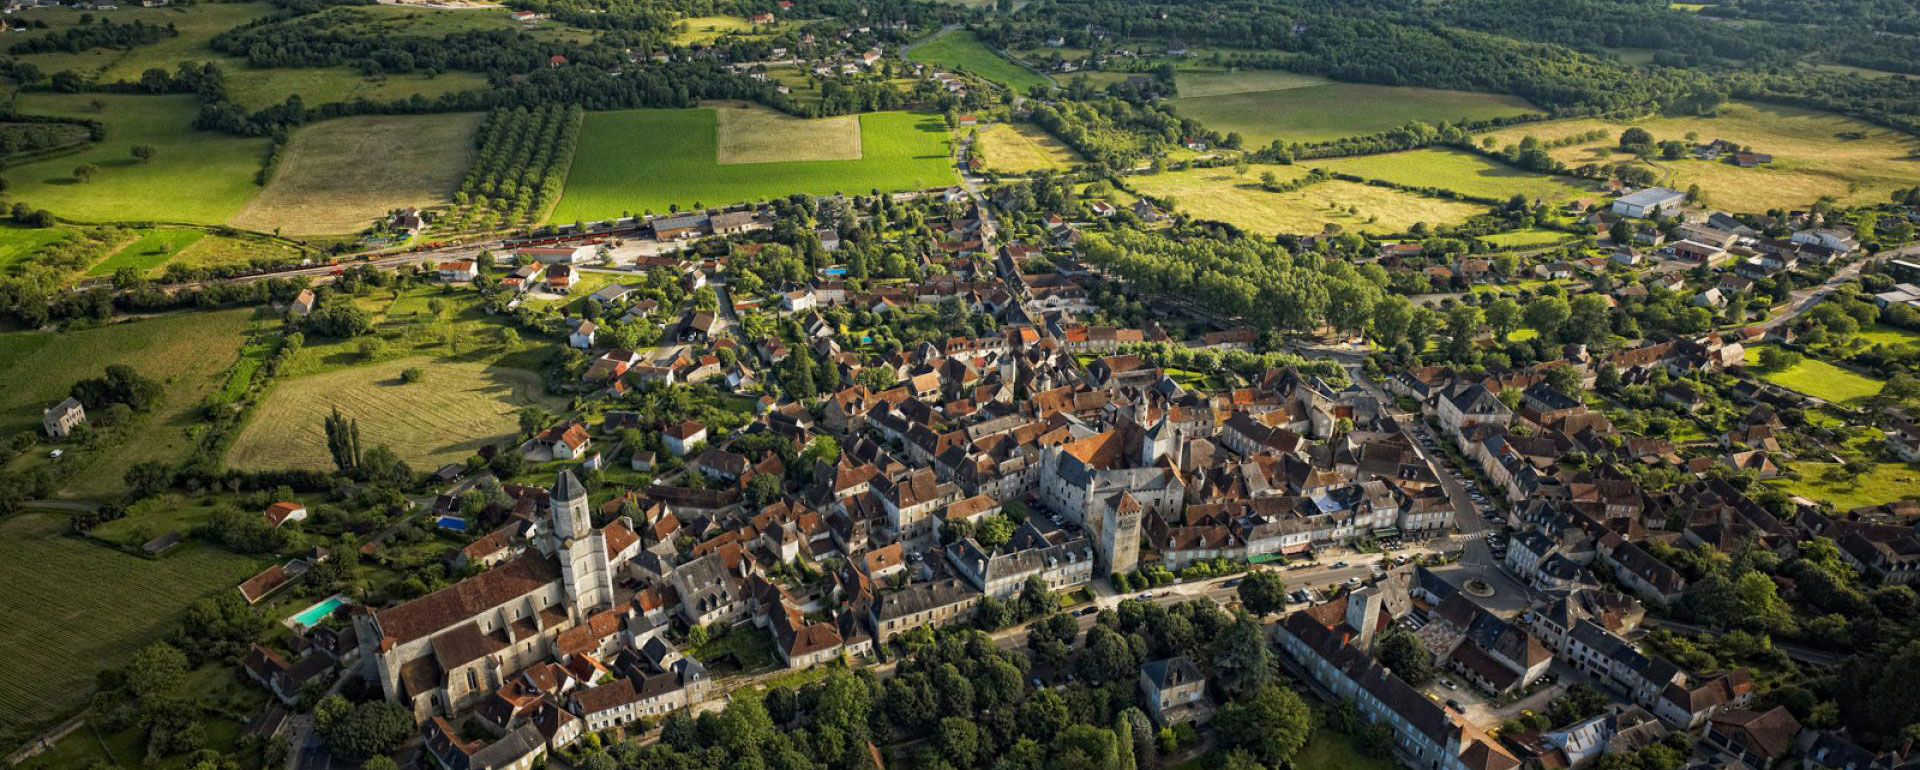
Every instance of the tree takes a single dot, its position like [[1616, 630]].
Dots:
[[1774, 358], [85, 172], [1263, 593], [993, 532], [1546, 314], [144, 152], [1241, 657], [763, 490], [1271, 723], [412, 374], [343, 440], [1398, 649], [1504, 316], [367, 729], [959, 740]]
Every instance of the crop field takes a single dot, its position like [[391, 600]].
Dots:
[[1325, 112], [216, 169], [75, 608], [962, 50], [755, 134], [1461, 172], [1815, 154], [447, 416], [1199, 84], [155, 248], [1019, 148], [327, 185], [636, 161], [17, 243], [1220, 194]]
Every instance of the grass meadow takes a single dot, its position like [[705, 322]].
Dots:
[[960, 49], [1318, 113], [1820, 379], [1020, 148], [1884, 483], [1221, 194], [325, 185], [197, 23], [750, 133], [195, 176], [18, 243], [75, 608], [1450, 169], [155, 248], [1815, 154], [634, 161], [1214, 83], [706, 29]]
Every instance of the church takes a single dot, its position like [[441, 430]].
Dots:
[[444, 652]]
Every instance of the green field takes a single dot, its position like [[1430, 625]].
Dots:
[[1816, 154], [261, 88], [1455, 170], [195, 176], [1884, 483], [155, 248], [17, 243], [75, 608], [1327, 112], [189, 352], [1882, 334], [706, 29], [636, 161], [1194, 85], [197, 24], [1820, 379], [962, 50], [1525, 239], [1221, 194], [1019, 148]]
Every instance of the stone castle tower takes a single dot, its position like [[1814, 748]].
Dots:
[[585, 571]]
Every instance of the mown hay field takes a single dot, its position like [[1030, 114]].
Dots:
[[340, 175], [750, 133], [1318, 113], [635, 161], [454, 410], [1020, 148], [1815, 154], [1455, 170], [75, 608], [1221, 194], [962, 50]]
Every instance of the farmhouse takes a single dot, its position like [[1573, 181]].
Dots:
[[1649, 202], [302, 304], [682, 437], [60, 419], [458, 270]]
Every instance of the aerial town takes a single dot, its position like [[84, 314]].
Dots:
[[618, 385]]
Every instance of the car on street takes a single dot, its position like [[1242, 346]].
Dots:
[[1449, 684], [1085, 611], [1339, 564], [1230, 583], [1145, 596], [1455, 705]]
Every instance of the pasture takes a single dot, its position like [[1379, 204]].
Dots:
[[1216, 83], [195, 176], [1220, 194], [1525, 239], [651, 160], [1318, 113], [155, 248], [457, 408], [75, 608], [1819, 379], [197, 23], [706, 29], [962, 50], [327, 184], [17, 243], [1450, 169], [1815, 154], [1020, 148], [257, 89], [749, 133], [1881, 484]]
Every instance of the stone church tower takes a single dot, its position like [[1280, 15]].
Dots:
[[585, 572]]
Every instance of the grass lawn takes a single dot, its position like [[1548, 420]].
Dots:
[[325, 184], [1815, 154], [74, 608], [219, 250], [1885, 483], [1525, 239], [1220, 194], [750, 647], [706, 29], [1820, 379], [1199, 84], [195, 176], [1326, 112], [1882, 334], [1328, 750], [679, 165], [1019, 148], [446, 417], [155, 248], [1454, 170], [17, 243], [960, 49], [261, 88], [750, 133]]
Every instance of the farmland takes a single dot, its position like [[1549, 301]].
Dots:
[[197, 24], [155, 248], [324, 186], [75, 608], [1219, 193], [1199, 84], [1019, 148], [17, 242], [218, 169], [750, 133], [261, 88], [961, 50], [1454, 170], [1318, 113], [459, 407], [1815, 154], [1820, 379], [680, 167], [706, 29]]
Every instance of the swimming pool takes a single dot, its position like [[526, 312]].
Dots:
[[312, 616], [454, 523]]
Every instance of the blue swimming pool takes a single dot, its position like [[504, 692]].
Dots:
[[312, 616], [454, 523], [835, 271]]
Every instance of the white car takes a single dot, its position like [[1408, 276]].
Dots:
[[55, 454]]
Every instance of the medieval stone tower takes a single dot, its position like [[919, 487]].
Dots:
[[582, 550]]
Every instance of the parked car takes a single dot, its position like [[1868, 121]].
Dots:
[[1455, 705], [1230, 583], [1339, 564], [1145, 596]]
